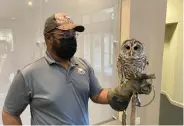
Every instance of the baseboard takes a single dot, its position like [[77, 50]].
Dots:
[[172, 101]]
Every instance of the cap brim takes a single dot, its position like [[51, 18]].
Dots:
[[69, 26], [79, 28]]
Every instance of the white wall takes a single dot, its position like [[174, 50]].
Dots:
[[172, 72]]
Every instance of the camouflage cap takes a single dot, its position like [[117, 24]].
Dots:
[[61, 21]]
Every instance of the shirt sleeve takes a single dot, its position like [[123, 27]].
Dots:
[[18, 96], [95, 86]]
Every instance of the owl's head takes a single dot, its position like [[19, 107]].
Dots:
[[132, 48]]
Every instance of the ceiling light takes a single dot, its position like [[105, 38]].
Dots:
[[30, 3], [13, 18], [46, 1]]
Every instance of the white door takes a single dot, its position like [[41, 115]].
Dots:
[[21, 29]]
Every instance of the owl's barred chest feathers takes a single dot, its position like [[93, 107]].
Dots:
[[132, 59], [137, 63], [131, 67]]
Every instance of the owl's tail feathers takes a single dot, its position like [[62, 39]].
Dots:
[[124, 118]]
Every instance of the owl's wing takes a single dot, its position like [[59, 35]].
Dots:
[[145, 62], [120, 63]]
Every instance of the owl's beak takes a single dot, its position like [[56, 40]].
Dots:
[[131, 53]]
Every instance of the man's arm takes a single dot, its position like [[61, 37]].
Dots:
[[101, 97], [118, 98], [9, 119], [16, 101]]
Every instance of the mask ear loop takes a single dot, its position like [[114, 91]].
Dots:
[[49, 36]]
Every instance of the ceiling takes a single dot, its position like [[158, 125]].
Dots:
[[27, 17], [17, 9]]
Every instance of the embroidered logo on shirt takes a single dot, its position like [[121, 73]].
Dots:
[[80, 71]]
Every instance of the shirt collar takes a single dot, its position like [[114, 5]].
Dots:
[[51, 60]]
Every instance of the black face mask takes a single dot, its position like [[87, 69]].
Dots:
[[66, 48]]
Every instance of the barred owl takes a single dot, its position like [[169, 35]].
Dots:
[[131, 64], [132, 60]]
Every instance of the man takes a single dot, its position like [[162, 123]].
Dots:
[[57, 87]]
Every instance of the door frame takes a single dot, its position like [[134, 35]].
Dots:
[[116, 44]]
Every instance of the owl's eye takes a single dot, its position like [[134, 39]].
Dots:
[[127, 47], [136, 47]]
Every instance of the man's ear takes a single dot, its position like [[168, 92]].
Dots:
[[49, 38], [48, 41]]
